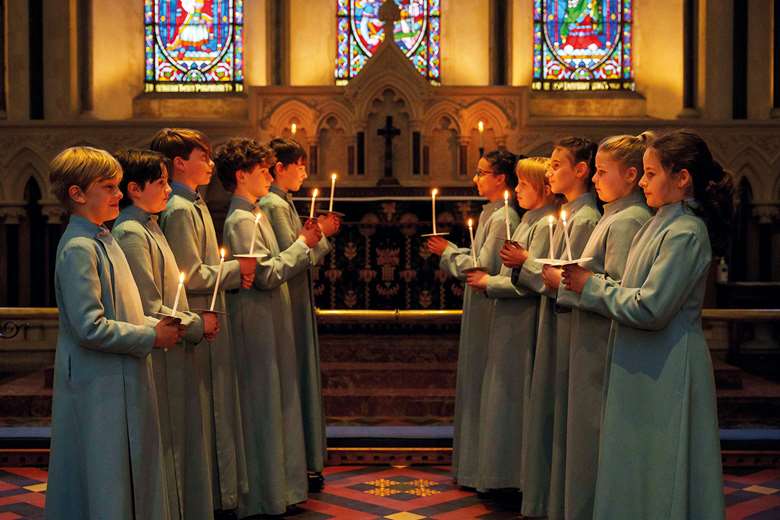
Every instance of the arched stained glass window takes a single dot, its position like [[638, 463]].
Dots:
[[360, 31], [194, 45], [582, 45]]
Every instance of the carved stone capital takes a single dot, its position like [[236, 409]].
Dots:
[[54, 213], [766, 213], [12, 213]]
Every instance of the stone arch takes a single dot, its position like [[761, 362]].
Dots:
[[442, 109], [338, 111], [744, 166], [290, 111], [400, 85], [25, 164], [492, 115]]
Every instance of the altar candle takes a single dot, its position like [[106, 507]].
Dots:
[[178, 294], [313, 198], [550, 220], [332, 190], [471, 235], [506, 214], [219, 276], [434, 191], [566, 234], [481, 128], [294, 129], [254, 234]]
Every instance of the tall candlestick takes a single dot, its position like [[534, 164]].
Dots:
[[178, 294], [254, 234], [332, 191], [219, 276], [434, 191], [566, 235], [293, 129], [471, 235], [506, 214], [550, 221], [481, 128], [313, 198]]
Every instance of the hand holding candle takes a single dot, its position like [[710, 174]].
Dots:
[[332, 191], [550, 221], [178, 294], [313, 200], [219, 275], [254, 234], [471, 235], [506, 214], [566, 235]]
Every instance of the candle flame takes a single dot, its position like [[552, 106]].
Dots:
[[434, 192], [471, 223], [563, 215], [222, 253], [181, 277], [315, 193], [294, 128], [257, 217], [481, 127], [506, 195], [333, 177], [550, 219]]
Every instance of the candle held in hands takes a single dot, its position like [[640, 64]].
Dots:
[[178, 294], [332, 191], [219, 276], [434, 192], [506, 214], [550, 220], [254, 234], [313, 199], [566, 235]]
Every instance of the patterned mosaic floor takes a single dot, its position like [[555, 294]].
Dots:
[[415, 493]]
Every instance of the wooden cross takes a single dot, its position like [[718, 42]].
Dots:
[[389, 132]]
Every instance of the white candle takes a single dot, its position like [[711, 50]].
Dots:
[[332, 191], [294, 129], [550, 220], [506, 214], [434, 191], [566, 234], [254, 234], [481, 128], [313, 198], [471, 235], [219, 277], [178, 294]]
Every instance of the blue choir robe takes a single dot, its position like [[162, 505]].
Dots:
[[544, 447], [474, 329], [175, 370], [510, 352], [659, 453], [262, 321], [106, 459], [286, 223], [608, 246], [187, 225]]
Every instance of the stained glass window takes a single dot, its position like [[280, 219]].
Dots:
[[194, 45], [582, 45], [360, 31]]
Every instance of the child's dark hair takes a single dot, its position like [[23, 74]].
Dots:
[[503, 163], [240, 153], [287, 151], [140, 167], [713, 187], [179, 142], [581, 150]]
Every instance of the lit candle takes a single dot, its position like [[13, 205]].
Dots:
[[434, 191], [332, 191], [178, 294], [254, 234], [313, 198], [506, 214], [550, 221], [471, 235], [566, 234], [219, 276], [294, 129], [481, 128]]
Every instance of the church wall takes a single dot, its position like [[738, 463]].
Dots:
[[465, 30], [522, 55], [255, 37], [312, 42], [18, 62], [759, 93]]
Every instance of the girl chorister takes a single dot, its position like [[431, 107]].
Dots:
[[659, 451]]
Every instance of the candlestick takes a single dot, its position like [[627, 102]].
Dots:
[[313, 198], [471, 235], [434, 191], [254, 234], [332, 191], [293, 129], [566, 235], [178, 294], [550, 220], [219, 276], [506, 214]]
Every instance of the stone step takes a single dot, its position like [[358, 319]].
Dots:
[[388, 375], [389, 348]]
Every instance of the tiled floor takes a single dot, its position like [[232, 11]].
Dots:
[[413, 493]]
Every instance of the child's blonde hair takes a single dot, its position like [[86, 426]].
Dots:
[[80, 166], [628, 150], [533, 170]]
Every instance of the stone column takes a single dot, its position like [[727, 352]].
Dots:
[[716, 44], [759, 66], [11, 214], [18, 61], [766, 215]]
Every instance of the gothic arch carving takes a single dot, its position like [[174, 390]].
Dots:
[[442, 109], [291, 111], [401, 87], [25, 164], [744, 166], [340, 112], [492, 115]]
